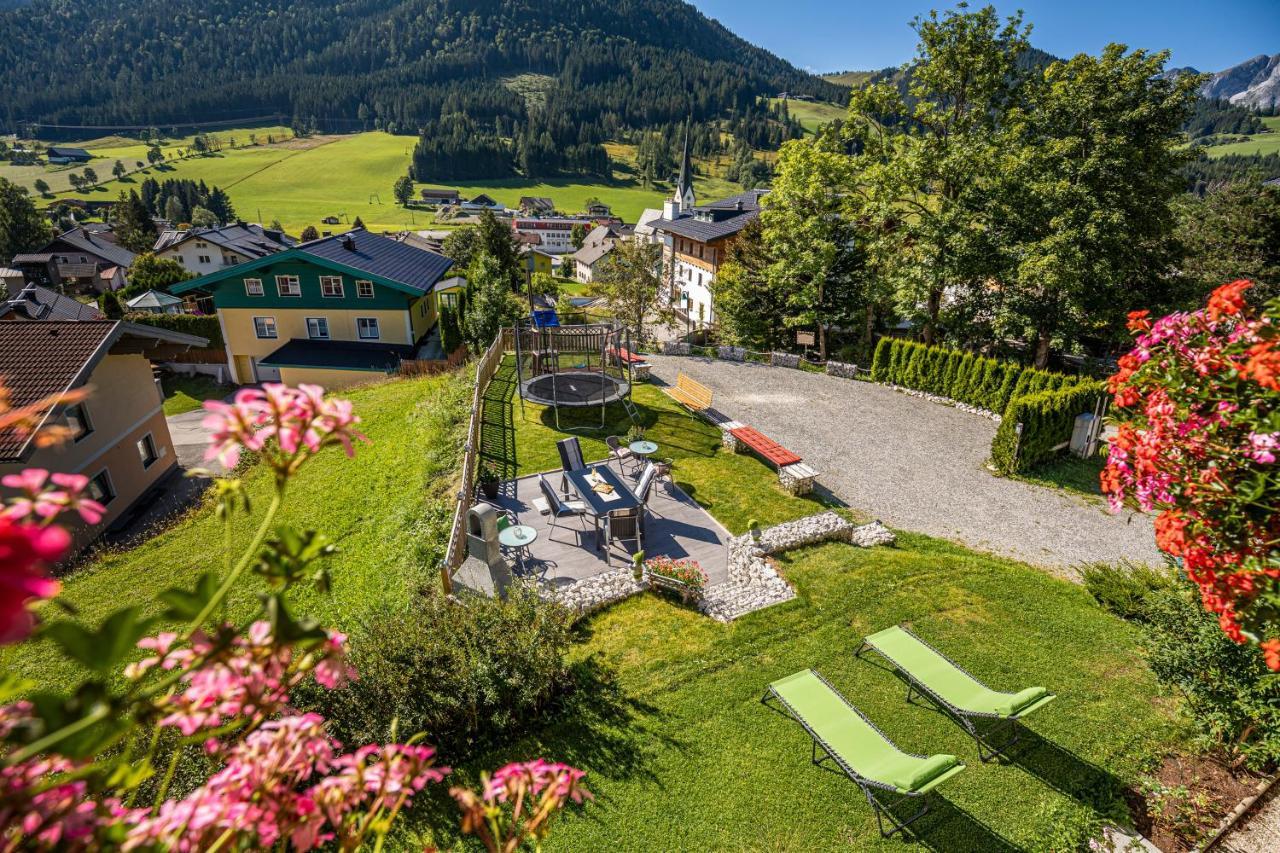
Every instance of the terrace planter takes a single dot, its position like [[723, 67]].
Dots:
[[690, 595]]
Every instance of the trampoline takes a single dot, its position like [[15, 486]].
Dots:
[[573, 367]]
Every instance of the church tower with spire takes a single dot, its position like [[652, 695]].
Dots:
[[683, 199]]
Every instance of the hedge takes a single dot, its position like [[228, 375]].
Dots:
[[961, 376], [1047, 417], [202, 325]]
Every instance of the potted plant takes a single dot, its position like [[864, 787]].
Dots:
[[636, 433], [637, 566], [488, 479], [753, 527], [685, 578]]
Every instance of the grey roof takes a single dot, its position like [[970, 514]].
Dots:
[[67, 151], [592, 252], [34, 302], [95, 243], [153, 299], [1274, 182], [340, 355], [537, 202], [252, 241], [381, 256], [718, 219], [450, 283]]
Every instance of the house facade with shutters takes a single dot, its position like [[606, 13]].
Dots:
[[334, 311]]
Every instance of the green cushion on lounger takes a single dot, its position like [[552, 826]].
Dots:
[[922, 772], [1018, 701], [952, 684], [855, 741]]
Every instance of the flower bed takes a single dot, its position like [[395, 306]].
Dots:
[[684, 577]]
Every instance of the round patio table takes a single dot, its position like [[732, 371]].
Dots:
[[643, 448], [519, 537]]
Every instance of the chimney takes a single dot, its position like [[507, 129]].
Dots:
[[348, 243]]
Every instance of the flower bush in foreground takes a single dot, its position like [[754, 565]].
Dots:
[[687, 572], [91, 768], [1197, 439]]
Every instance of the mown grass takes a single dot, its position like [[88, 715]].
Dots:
[[1267, 142], [1071, 474], [812, 115], [387, 510], [680, 753], [187, 393]]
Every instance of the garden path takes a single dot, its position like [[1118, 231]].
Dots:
[[917, 465]]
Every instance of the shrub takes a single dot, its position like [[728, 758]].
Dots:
[[1047, 418], [1124, 588], [1231, 696], [202, 325], [465, 673], [880, 362], [962, 378]]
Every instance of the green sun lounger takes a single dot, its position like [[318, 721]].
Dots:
[[934, 675], [860, 749]]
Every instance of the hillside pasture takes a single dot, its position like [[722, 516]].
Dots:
[[812, 115], [1267, 142]]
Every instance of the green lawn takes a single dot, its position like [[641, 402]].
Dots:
[[1070, 473], [187, 393], [665, 713], [1259, 143], [814, 114], [382, 508]]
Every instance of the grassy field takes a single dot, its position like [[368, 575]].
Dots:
[[302, 181], [849, 78], [814, 114], [187, 393], [1259, 143], [377, 507], [666, 717]]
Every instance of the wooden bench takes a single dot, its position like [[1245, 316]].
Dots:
[[793, 474], [691, 394], [772, 452]]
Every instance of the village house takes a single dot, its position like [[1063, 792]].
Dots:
[[33, 302], [79, 259], [333, 312], [62, 154], [596, 246], [481, 202], [554, 233], [695, 238], [536, 205], [206, 250], [155, 302], [118, 437], [434, 197]]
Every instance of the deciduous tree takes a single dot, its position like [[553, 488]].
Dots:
[[22, 228], [630, 282]]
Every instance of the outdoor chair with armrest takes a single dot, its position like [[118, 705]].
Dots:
[[618, 452], [570, 459], [944, 682], [872, 761], [559, 507]]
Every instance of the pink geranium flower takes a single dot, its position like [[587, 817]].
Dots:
[[25, 552]]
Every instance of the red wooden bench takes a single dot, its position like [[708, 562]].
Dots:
[[775, 453], [624, 354]]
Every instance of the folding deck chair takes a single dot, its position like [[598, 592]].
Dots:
[[932, 674], [860, 749]]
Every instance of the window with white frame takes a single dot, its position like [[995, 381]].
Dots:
[[147, 451], [331, 286], [364, 289], [78, 421], [288, 285], [367, 328], [265, 327], [100, 488], [253, 287], [318, 328], [449, 300]]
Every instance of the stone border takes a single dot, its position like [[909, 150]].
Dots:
[[753, 583], [946, 401], [845, 370], [785, 359]]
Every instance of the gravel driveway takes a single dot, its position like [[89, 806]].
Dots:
[[916, 465]]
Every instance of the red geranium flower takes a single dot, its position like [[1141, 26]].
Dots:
[[1228, 300]]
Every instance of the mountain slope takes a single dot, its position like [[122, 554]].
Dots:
[[348, 63], [1253, 83]]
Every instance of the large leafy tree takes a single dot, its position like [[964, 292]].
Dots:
[[490, 304], [22, 228], [750, 310], [1233, 233], [1088, 178], [153, 273], [929, 152], [488, 236], [816, 258], [133, 226], [630, 282]]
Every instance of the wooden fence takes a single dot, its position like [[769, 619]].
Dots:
[[486, 367]]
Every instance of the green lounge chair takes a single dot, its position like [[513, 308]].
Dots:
[[932, 674], [860, 749]]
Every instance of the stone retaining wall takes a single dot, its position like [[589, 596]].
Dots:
[[784, 359], [842, 369]]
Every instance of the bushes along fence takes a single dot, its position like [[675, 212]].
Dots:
[[204, 325], [1047, 419]]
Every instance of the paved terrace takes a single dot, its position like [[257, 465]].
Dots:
[[675, 526], [915, 464]]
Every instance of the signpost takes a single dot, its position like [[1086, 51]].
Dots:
[[806, 340]]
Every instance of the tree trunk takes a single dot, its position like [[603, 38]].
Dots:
[[933, 306], [822, 342], [1042, 348], [868, 332]]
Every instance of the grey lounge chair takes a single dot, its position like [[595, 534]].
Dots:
[[570, 459], [559, 507]]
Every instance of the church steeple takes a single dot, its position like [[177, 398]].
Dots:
[[684, 186]]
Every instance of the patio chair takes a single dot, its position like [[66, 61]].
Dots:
[[645, 485], [621, 525], [570, 459], [932, 674], [618, 452], [859, 749], [559, 507]]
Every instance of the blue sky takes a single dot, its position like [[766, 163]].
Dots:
[[831, 35]]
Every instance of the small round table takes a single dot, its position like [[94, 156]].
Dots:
[[642, 449], [518, 537]]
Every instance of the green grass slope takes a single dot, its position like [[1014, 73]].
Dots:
[[814, 114], [1258, 143], [380, 508]]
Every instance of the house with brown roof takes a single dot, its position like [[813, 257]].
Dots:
[[88, 260], [118, 436]]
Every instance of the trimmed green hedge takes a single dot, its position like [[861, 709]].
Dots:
[[1044, 402], [203, 325], [962, 376], [1047, 417]]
